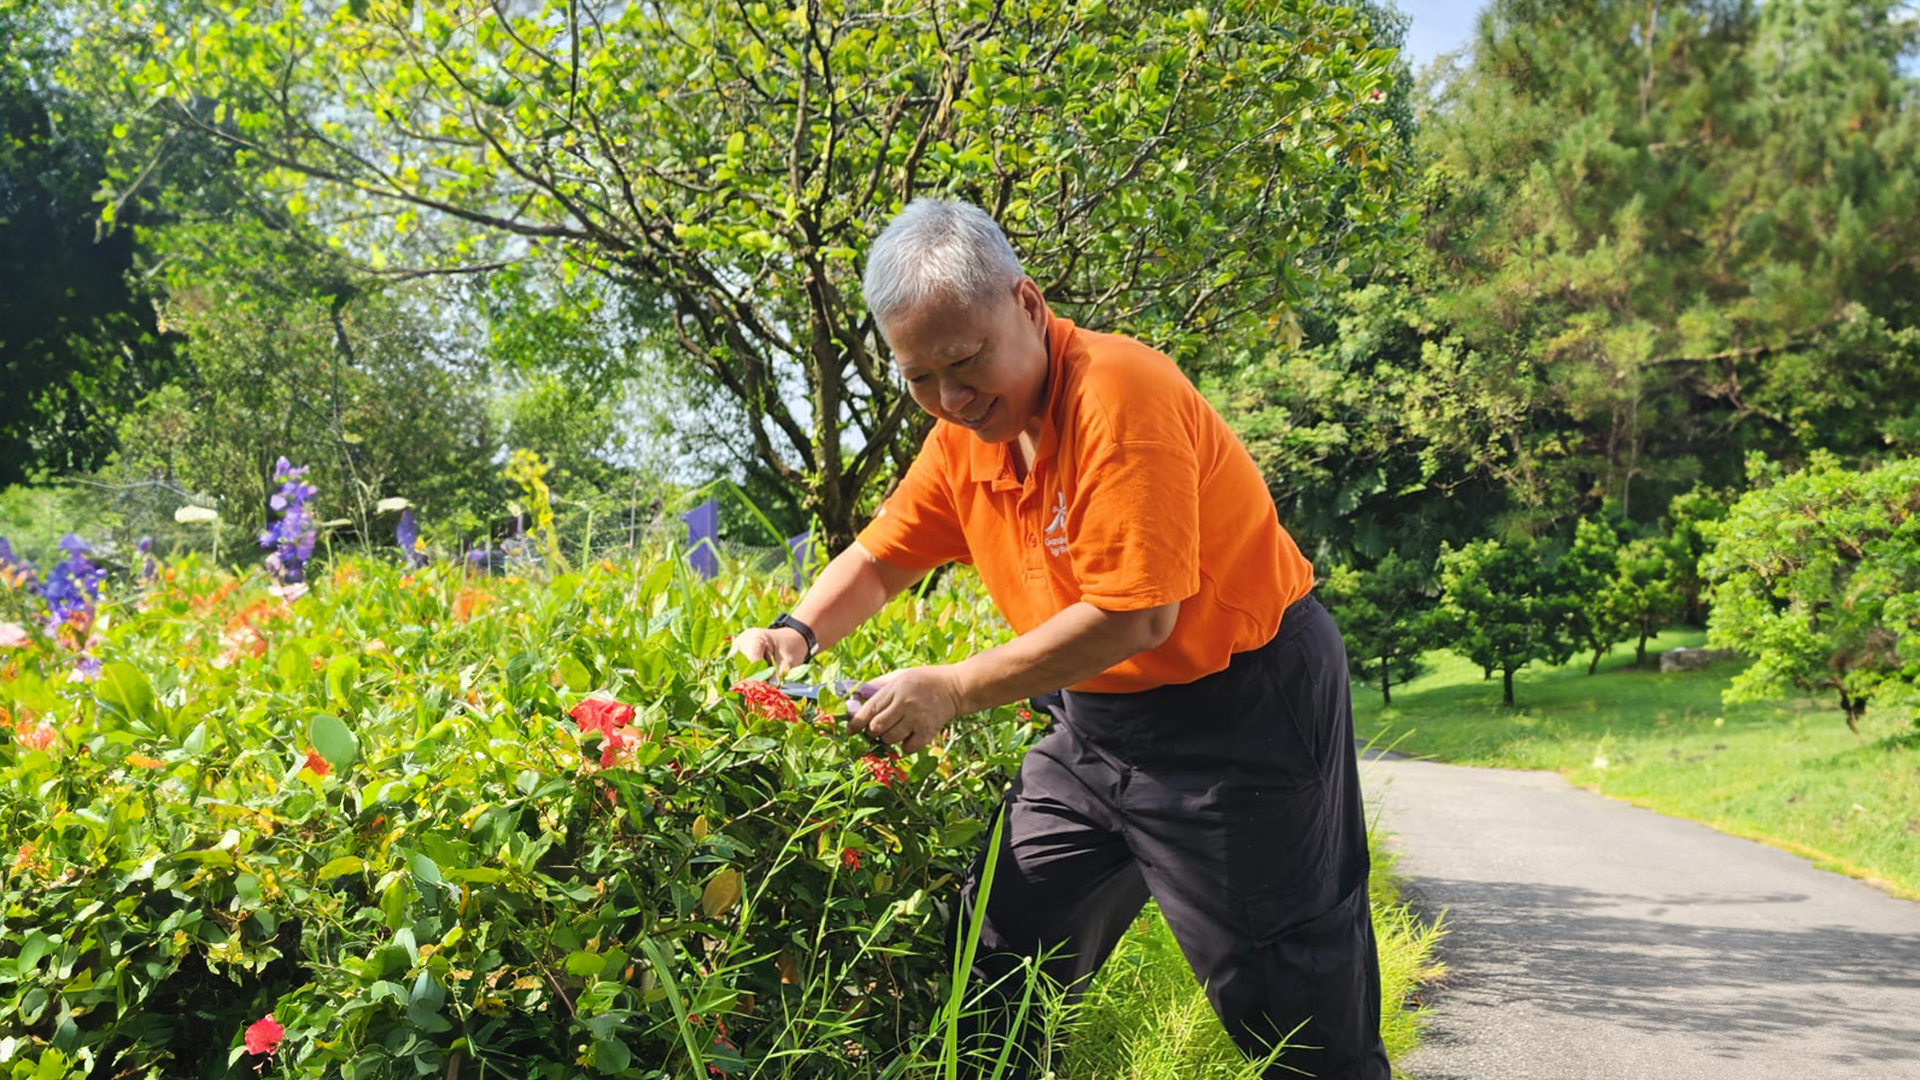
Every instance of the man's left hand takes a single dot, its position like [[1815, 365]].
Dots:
[[910, 706]]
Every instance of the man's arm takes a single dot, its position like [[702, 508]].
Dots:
[[1075, 645], [847, 593]]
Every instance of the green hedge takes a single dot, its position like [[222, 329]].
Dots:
[[367, 815]]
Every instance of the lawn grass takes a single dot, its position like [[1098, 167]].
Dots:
[[1146, 1019], [1787, 773]]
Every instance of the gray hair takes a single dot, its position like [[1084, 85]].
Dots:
[[938, 249]]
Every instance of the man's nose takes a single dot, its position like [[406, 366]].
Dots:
[[955, 395]]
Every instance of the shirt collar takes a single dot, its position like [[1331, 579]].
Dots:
[[993, 462]]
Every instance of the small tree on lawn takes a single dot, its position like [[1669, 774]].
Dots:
[[1588, 575], [1689, 517], [1386, 617], [1502, 607], [1816, 574], [1646, 590]]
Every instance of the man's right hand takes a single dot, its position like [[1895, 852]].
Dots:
[[783, 648]]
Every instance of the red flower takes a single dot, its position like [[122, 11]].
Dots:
[[264, 1036], [601, 714], [613, 744], [317, 763], [849, 858], [885, 768], [766, 701]]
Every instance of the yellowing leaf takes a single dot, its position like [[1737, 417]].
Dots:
[[721, 893]]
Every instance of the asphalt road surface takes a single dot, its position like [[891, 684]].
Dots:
[[1591, 939]]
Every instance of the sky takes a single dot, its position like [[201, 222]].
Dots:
[[1438, 26]]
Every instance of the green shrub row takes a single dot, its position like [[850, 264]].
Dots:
[[378, 818]]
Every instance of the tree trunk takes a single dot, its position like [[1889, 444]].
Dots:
[[1507, 676], [1640, 650], [1386, 679], [1593, 668], [1855, 708]]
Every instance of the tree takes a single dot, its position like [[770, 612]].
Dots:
[[292, 353], [1816, 574], [78, 344], [1502, 607], [1589, 574], [1669, 233], [1185, 174], [1690, 519], [1353, 475], [1386, 617], [1646, 590]]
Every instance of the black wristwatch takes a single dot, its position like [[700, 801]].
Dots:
[[791, 623]]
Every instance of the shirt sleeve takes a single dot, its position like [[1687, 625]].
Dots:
[[918, 526], [1135, 525]]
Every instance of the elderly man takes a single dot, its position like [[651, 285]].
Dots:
[[1202, 752]]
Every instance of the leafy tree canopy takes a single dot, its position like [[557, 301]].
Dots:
[[1666, 232], [1185, 174], [1816, 574]]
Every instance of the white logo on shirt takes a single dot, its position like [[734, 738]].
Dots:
[[1057, 544]]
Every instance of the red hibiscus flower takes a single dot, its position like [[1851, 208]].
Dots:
[[766, 701], [264, 1036]]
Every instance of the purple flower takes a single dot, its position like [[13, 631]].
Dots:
[[86, 668], [409, 536], [148, 569], [73, 585], [292, 537]]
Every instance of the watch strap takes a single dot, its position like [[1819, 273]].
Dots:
[[787, 621]]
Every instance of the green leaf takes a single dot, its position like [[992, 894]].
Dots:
[[578, 678], [342, 673], [585, 964], [425, 869], [294, 665], [335, 741], [345, 864], [126, 688]]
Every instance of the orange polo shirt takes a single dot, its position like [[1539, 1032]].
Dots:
[[1139, 495]]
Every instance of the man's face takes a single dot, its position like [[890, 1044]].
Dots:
[[982, 366]]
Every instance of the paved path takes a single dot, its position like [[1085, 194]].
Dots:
[[1592, 939]]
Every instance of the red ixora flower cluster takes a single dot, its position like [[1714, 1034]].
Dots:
[[766, 701], [885, 768], [849, 858], [264, 1036], [610, 718]]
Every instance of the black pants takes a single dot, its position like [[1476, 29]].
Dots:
[[1234, 801]]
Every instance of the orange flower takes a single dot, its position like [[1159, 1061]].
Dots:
[[144, 761], [317, 763], [469, 603], [849, 858]]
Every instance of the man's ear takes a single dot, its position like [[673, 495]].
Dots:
[[1032, 304]]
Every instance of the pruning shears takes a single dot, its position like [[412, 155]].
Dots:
[[850, 689]]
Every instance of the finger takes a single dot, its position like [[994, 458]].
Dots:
[[863, 716]]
